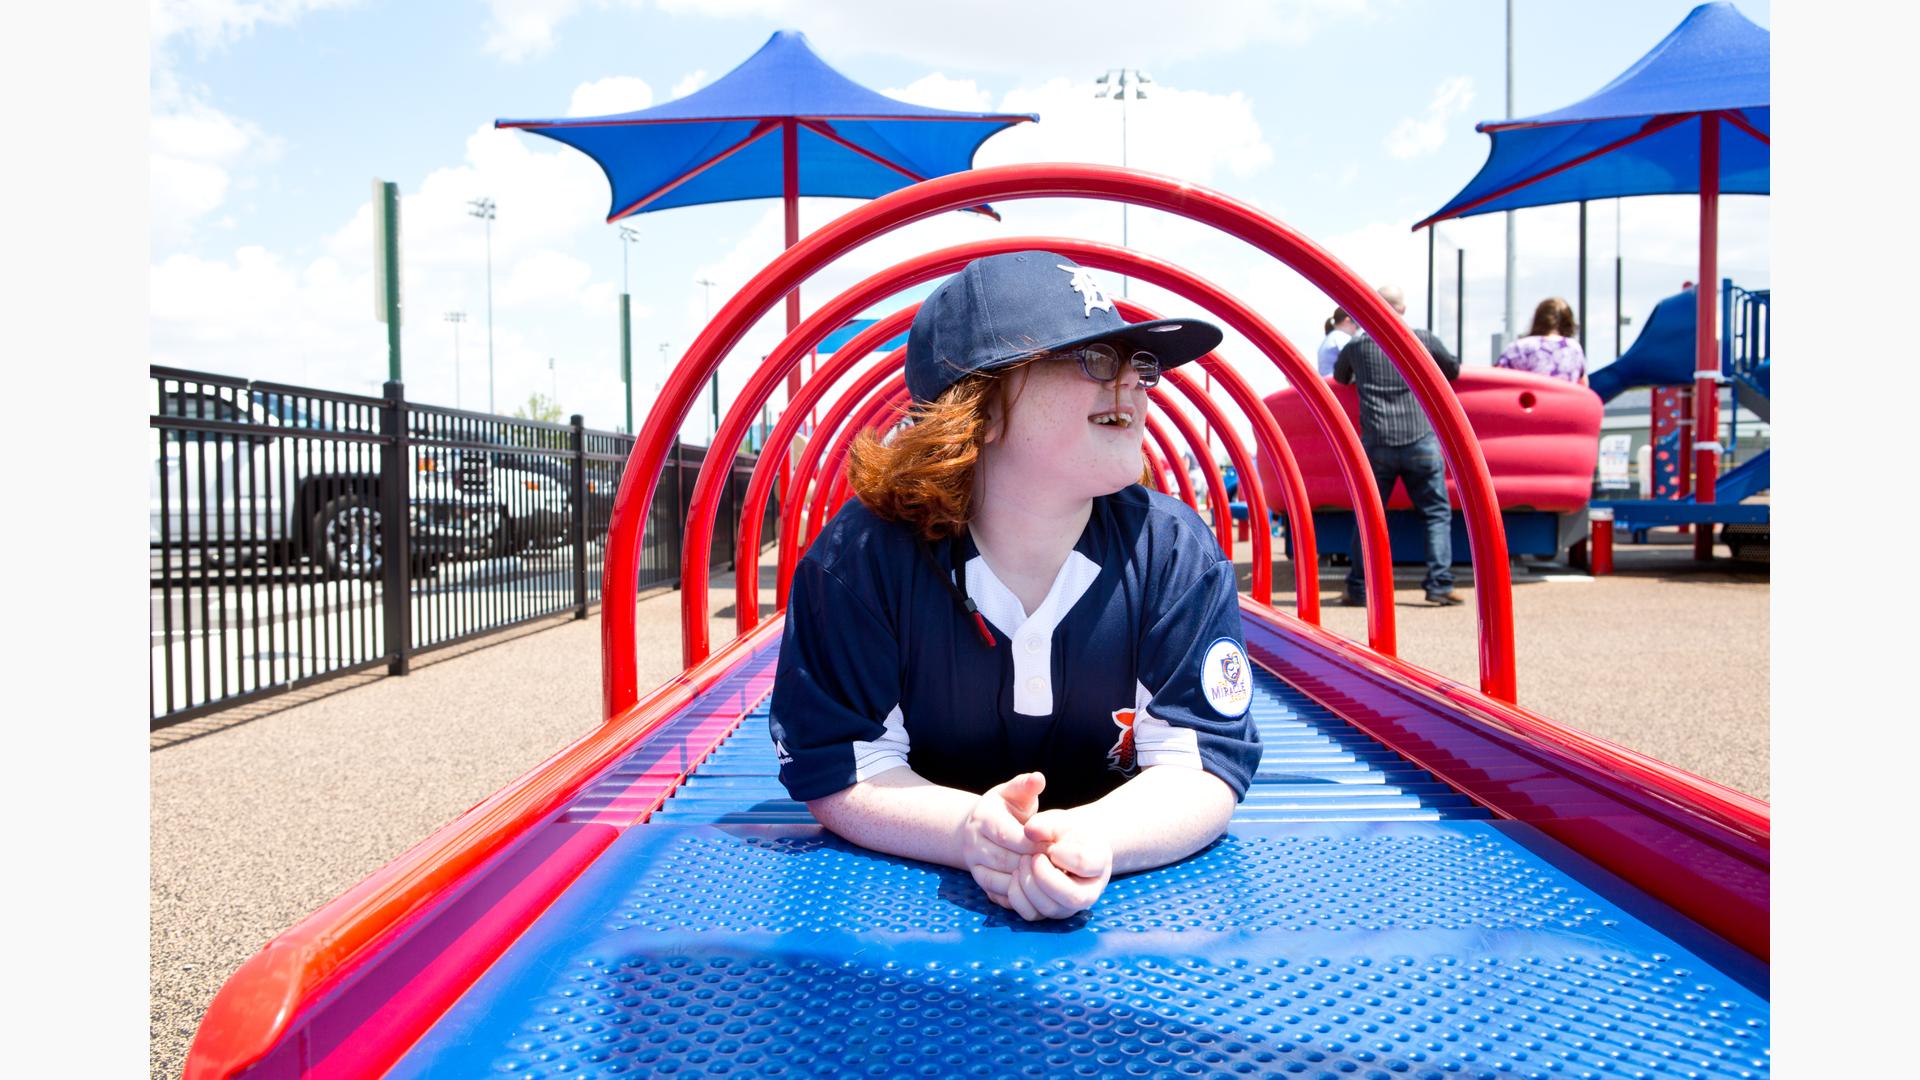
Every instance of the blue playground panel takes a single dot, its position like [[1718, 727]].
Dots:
[[1359, 919], [1539, 533], [1749, 478]]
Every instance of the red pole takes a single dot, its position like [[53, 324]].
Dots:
[[1706, 347], [1600, 550], [790, 194]]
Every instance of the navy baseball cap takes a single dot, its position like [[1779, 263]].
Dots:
[[1003, 309]]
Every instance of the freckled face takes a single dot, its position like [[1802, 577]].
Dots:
[[1075, 436]]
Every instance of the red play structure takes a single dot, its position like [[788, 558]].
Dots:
[[377, 975], [1538, 435]]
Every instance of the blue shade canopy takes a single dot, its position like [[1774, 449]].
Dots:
[[832, 342], [725, 142], [1640, 134]]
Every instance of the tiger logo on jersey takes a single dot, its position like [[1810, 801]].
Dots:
[[1121, 758]]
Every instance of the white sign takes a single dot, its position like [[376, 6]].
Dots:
[[1615, 450]]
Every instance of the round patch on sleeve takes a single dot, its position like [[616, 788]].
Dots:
[[1225, 678]]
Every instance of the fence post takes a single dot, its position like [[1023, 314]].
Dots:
[[578, 522], [396, 557], [679, 533]]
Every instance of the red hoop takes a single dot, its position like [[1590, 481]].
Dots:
[[1485, 533]]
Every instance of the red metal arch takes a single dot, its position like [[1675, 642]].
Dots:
[[788, 353], [1210, 411], [1156, 470], [1197, 444], [833, 492], [794, 266], [1209, 471], [746, 587], [878, 412], [1293, 493], [1169, 457]]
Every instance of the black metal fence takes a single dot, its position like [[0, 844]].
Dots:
[[299, 534]]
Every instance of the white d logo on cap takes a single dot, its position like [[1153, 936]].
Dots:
[[1082, 282]]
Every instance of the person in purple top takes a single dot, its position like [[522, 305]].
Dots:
[[1549, 348]]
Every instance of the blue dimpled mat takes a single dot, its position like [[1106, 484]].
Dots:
[[726, 939], [1313, 767], [1423, 949]]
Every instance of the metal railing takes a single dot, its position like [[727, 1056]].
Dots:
[[298, 535]]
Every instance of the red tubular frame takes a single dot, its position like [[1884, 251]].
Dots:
[[956, 191], [832, 492], [1211, 413], [1293, 486], [1332, 420], [792, 512], [1706, 346], [261, 1002], [1169, 457], [1216, 487], [747, 586]]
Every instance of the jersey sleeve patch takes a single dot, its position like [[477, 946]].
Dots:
[[1224, 678]]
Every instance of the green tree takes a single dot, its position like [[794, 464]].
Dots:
[[540, 407]]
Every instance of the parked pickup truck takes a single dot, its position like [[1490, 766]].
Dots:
[[265, 492]]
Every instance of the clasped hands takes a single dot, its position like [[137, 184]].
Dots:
[[1042, 864]]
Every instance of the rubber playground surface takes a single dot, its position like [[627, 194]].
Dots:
[[258, 817]]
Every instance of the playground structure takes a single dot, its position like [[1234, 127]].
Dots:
[[1539, 437], [1427, 879], [1662, 358]]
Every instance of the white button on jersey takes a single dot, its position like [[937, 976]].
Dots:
[[1036, 685], [1033, 644]]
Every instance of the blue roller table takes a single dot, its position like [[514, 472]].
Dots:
[[1359, 919]]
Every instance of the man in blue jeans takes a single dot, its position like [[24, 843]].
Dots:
[[1401, 445]]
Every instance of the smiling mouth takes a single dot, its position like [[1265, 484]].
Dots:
[[1116, 419]]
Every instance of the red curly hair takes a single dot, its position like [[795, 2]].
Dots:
[[923, 477]]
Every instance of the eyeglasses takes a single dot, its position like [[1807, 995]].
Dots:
[[1101, 363]]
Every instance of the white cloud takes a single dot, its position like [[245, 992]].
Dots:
[[980, 38], [269, 315], [542, 277], [1416, 136], [212, 23], [937, 91], [520, 30], [1190, 134], [617, 94], [193, 150], [692, 81]]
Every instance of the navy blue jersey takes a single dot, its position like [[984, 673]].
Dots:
[[1133, 659]]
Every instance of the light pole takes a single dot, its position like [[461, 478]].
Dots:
[[554, 385], [456, 318], [627, 236], [1513, 252], [482, 208], [708, 286], [1122, 84]]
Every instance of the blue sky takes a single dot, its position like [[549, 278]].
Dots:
[[1347, 119]]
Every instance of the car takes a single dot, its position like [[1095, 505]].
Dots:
[[230, 496], [531, 492]]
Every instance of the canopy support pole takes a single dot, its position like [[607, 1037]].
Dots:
[[790, 195], [1706, 351], [1580, 316], [1429, 281]]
